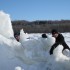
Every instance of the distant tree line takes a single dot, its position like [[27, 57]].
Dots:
[[41, 26]]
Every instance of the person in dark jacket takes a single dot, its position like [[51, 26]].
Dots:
[[59, 39]]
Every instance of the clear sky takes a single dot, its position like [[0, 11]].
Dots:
[[36, 9]]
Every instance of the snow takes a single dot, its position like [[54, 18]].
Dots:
[[31, 52], [6, 27]]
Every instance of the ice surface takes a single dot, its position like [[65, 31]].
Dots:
[[32, 52]]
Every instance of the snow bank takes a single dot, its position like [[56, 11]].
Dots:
[[5, 25], [32, 52]]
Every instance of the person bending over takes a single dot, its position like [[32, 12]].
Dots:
[[59, 39]]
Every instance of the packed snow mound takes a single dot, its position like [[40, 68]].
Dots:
[[5, 25], [23, 35], [43, 43], [36, 49]]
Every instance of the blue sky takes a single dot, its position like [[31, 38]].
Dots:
[[32, 10]]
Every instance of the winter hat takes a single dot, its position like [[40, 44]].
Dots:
[[44, 36], [54, 31]]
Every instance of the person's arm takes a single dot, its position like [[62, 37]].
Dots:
[[53, 47]]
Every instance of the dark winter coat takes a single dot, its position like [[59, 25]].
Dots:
[[60, 39]]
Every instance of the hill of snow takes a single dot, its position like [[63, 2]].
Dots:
[[31, 52]]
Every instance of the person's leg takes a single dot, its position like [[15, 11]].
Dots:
[[53, 47], [65, 47]]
